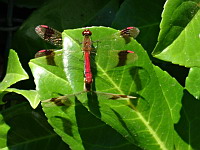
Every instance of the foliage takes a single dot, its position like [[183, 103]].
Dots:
[[165, 114]]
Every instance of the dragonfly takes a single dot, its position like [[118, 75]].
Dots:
[[55, 37]]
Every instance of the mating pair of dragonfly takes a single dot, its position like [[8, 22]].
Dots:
[[55, 37]]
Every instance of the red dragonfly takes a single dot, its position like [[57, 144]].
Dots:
[[55, 37]]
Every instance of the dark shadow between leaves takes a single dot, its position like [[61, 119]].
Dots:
[[188, 126], [28, 125]]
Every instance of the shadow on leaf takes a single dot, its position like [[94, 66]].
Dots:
[[188, 126]]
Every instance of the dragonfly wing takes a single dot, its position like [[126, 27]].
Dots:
[[50, 35], [66, 99], [130, 32]]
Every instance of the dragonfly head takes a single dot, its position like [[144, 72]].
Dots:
[[86, 32]]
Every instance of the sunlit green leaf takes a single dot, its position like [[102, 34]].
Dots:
[[31, 95], [171, 87], [193, 82], [14, 72], [184, 50], [176, 16]]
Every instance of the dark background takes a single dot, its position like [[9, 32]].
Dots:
[[11, 18], [13, 13]]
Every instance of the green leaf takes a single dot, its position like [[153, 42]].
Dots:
[[138, 77], [31, 95], [170, 87], [80, 129], [184, 50], [176, 16], [141, 122], [192, 82], [14, 72], [3, 132], [49, 77], [184, 111]]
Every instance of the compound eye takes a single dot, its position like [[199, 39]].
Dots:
[[86, 32]]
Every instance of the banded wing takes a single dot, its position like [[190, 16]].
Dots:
[[54, 37], [130, 32], [50, 35]]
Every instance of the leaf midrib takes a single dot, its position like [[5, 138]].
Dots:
[[145, 122]]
